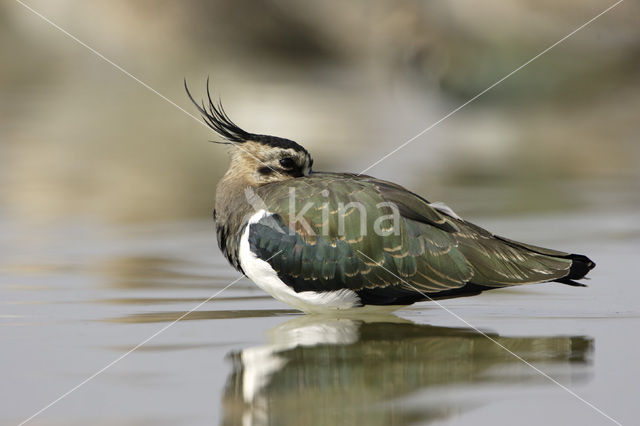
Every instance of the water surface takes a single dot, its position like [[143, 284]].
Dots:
[[77, 296]]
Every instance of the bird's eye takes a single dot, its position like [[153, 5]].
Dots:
[[287, 163]]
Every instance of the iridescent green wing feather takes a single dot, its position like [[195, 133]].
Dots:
[[331, 235]]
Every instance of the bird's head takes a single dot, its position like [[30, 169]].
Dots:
[[255, 159]]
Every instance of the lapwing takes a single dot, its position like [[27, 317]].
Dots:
[[324, 242]]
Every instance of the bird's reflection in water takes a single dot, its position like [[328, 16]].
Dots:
[[326, 371]]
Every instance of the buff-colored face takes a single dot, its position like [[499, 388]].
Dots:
[[258, 164]]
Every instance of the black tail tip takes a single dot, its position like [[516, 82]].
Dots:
[[580, 266]]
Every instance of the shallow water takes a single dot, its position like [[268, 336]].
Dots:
[[76, 297], [86, 299]]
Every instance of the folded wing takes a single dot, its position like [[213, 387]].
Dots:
[[386, 243]]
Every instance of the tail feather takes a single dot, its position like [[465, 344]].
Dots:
[[580, 266]]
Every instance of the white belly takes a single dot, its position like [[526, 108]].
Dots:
[[261, 273]]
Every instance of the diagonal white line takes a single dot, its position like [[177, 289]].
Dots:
[[64, 395], [109, 61], [498, 343], [124, 355], [106, 367], [128, 74], [491, 87]]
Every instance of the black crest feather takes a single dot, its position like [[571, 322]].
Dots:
[[217, 119]]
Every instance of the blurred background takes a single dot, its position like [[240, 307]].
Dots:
[[107, 189], [349, 80]]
